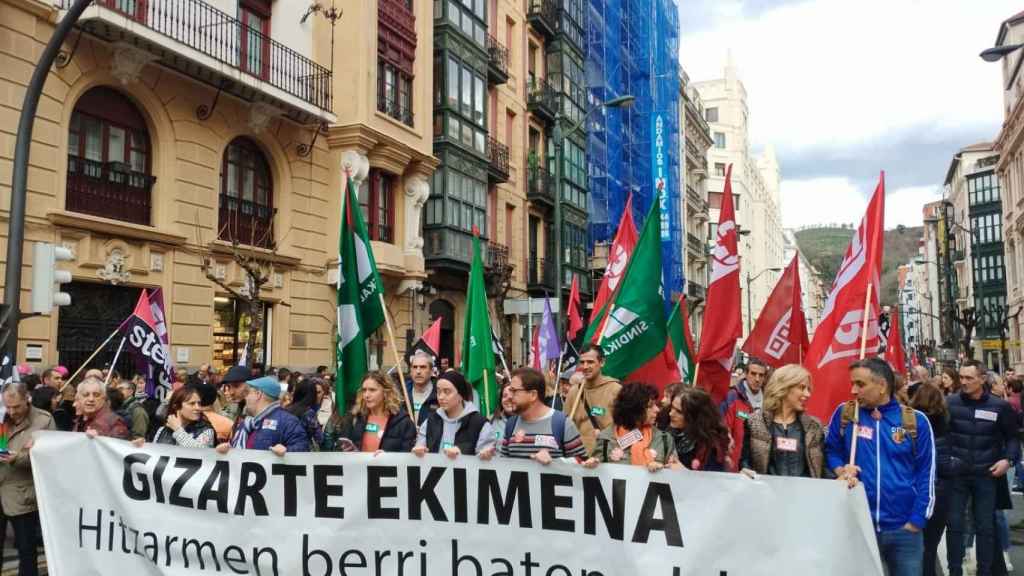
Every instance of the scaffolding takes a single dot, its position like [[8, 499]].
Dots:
[[633, 48]]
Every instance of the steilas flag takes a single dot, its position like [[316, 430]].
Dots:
[[837, 339], [780, 335], [618, 258], [722, 324], [894, 353]]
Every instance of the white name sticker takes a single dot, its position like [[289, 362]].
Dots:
[[785, 444], [865, 432], [986, 415], [269, 425], [545, 441], [627, 440]]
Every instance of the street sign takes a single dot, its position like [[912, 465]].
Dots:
[[992, 344]]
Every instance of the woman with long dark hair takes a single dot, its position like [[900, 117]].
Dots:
[[950, 381], [701, 439], [186, 423], [304, 407], [632, 437], [931, 402]]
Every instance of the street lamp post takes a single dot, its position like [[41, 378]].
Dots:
[[19, 179], [559, 135], [749, 282]]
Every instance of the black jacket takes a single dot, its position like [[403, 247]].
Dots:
[[429, 405], [946, 465], [466, 437], [981, 432], [399, 433]]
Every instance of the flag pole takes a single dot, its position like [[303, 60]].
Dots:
[[863, 352], [89, 359], [487, 394], [696, 372], [398, 359], [114, 362]]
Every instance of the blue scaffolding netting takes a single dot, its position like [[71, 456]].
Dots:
[[633, 48]]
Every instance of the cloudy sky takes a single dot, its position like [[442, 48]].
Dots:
[[845, 88]]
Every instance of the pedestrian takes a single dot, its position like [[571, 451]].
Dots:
[[186, 424], [180, 377], [132, 404], [983, 434], [284, 378], [303, 407], [17, 488], [930, 401], [324, 401], [894, 459], [741, 401], [781, 439], [918, 376], [456, 427], [537, 431], [950, 381], [506, 409], [53, 378], [222, 425], [699, 436], [33, 381], [376, 422], [95, 417], [632, 438], [667, 394], [420, 386], [267, 426], [45, 398], [235, 388], [590, 403]]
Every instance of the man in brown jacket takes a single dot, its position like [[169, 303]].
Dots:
[[17, 491], [592, 412]]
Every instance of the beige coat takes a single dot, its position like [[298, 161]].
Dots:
[[600, 397], [17, 491]]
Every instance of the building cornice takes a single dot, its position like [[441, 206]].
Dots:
[[382, 150], [114, 228]]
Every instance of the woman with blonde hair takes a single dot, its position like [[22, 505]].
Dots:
[[377, 422], [781, 438]]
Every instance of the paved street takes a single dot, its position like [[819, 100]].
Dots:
[[1015, 517]]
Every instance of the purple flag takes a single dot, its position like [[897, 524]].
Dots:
[[159, 379], [548, 337]]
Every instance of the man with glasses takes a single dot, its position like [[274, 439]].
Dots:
[[536, 431]]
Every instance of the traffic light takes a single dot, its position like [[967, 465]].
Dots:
[[45, 275]]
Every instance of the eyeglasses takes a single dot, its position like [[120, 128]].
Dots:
[[512, 390]]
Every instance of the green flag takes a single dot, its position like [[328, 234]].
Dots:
[[634, 331], [477, 351], [682, 342], [359, 308]]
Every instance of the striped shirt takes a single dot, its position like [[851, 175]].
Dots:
[[530, 437]]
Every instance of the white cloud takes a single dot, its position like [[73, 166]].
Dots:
[[838, 200]]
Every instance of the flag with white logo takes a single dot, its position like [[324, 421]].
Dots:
[[142, 341], [477, 337], [780, 335], [359, 305]]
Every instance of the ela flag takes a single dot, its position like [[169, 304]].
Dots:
[[360, 312], [894, 353], [618, 258], [837, 339], [575, 320], [142, 339], [780, 335], [634, 331], [722, 326], [682, 341], [477, 337]]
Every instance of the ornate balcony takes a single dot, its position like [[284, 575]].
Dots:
[[540, 275], [540, 187], [110, 190], [497, 61], [497, 154], [246, 222], [542, 100], [543, 16]]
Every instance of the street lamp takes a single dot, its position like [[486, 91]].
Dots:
[[559, 135], [749, 282], [996, 53]]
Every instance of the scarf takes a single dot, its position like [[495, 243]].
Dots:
[[250, 425], [683, 443], [638, 453]]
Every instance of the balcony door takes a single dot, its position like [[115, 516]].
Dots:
[[254, 44], [134, 9]]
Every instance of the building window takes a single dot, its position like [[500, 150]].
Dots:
[[720, 140], [109, 158], [255, 41], [394, 92], [460, 201], [231, 322], [246, 196], [467, 16], [711, 114], [134, 9], [464, 110], [376, 198], [719, 169]]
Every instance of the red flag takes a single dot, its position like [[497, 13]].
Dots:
[[722, 324], [575, 321], [780, 335], [535, 349], [432, 337], [618, 257], [894, 353], [837, 340]]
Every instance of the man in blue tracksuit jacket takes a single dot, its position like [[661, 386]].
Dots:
[[897, 470]]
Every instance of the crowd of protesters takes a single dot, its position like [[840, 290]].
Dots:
[[932, 455]]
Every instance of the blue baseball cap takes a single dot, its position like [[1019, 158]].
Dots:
[[268, 385]]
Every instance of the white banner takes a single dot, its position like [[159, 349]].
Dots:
[[110, 508]]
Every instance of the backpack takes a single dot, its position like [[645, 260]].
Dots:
[[125, 415], [558, 419], [907, 415]]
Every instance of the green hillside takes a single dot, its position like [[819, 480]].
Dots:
[[825, 247]]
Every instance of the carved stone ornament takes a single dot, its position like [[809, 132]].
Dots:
[[128, 61], [357, 163], [417, 190], [115, 269], [260, 116]]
